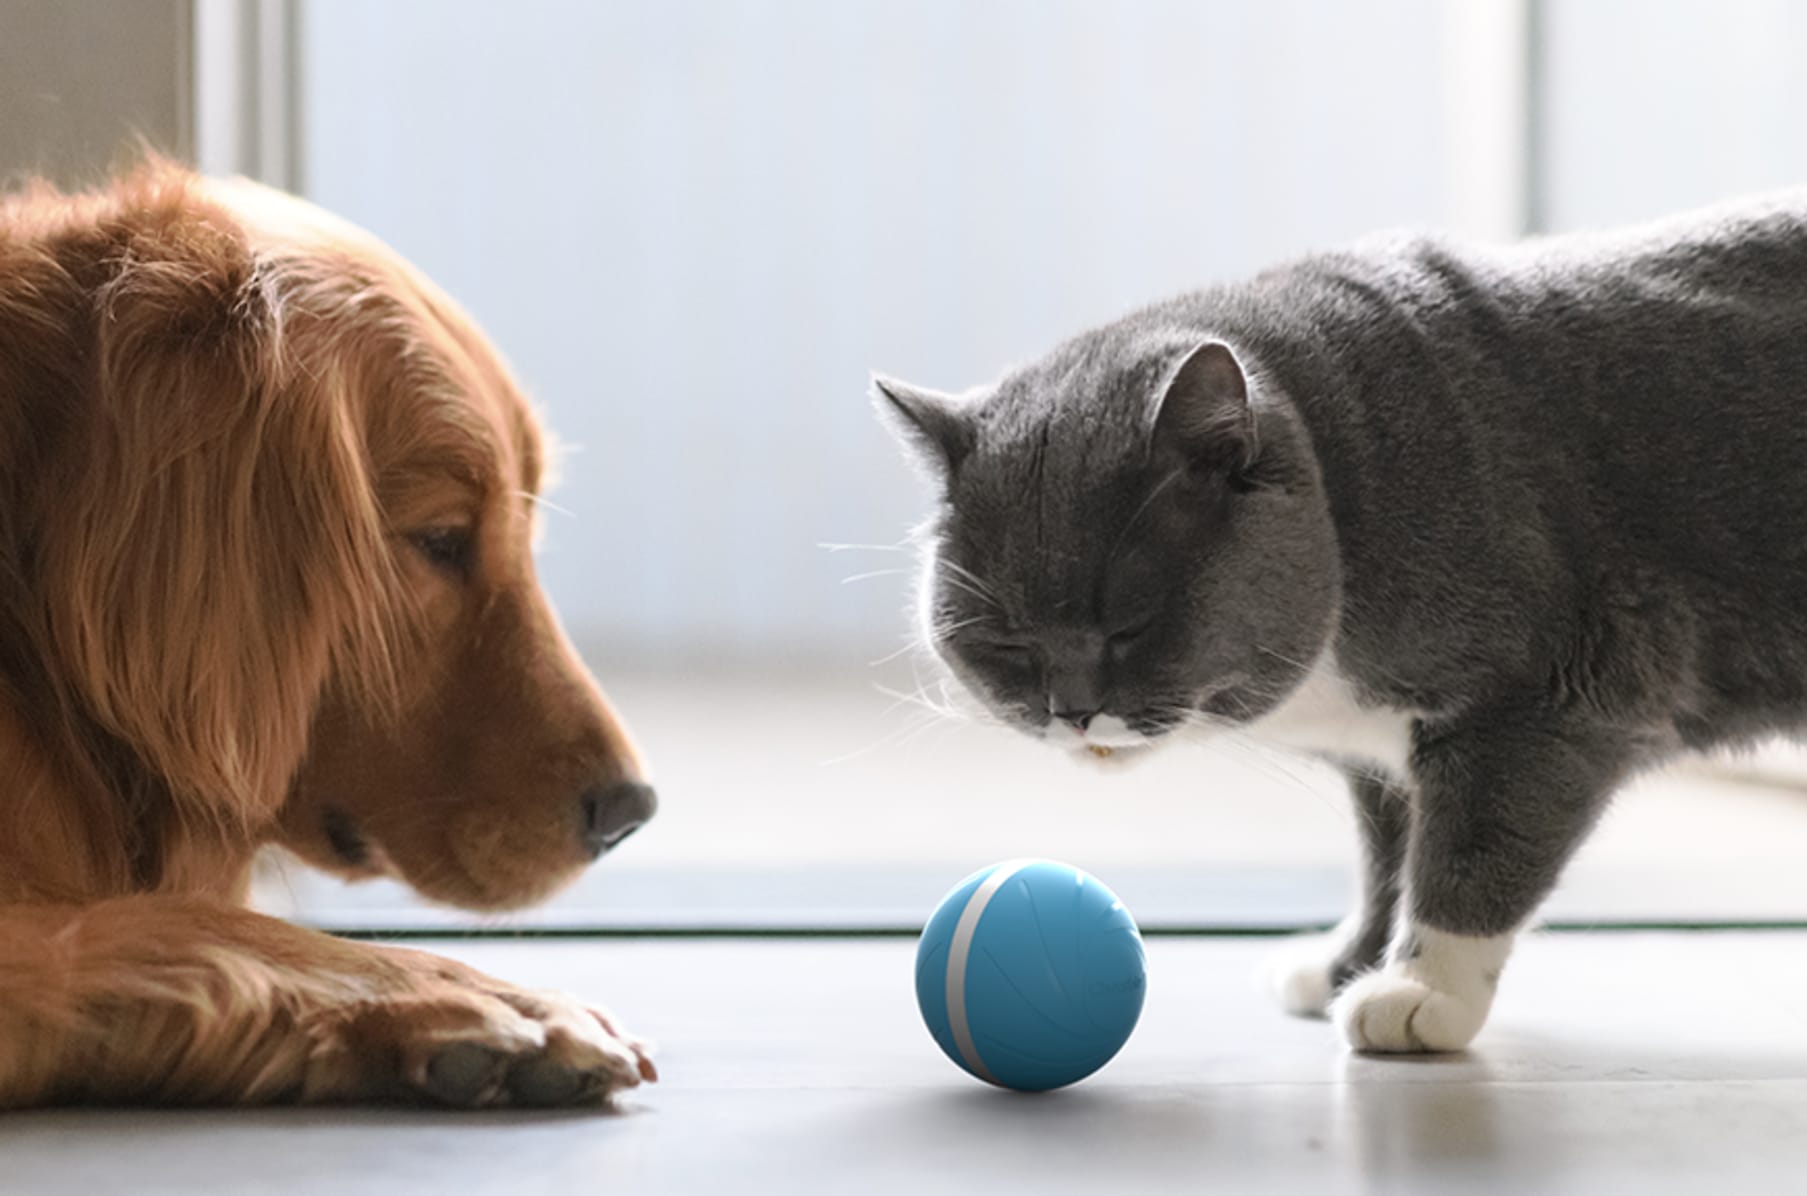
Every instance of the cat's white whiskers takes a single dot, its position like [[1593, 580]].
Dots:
[[901, 546], [940, 727], [871, 574], [920, 698], [910, 645], [941, 632], [1282, 657], [1286, 764], [924, 714], [918, 720], [1226, 735], [970, 581], [1221, 737], [945, 704], [960, 584], [1307, 666]]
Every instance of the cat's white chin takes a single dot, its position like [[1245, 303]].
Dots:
[[1107, 743], [1109, 731], [1103, 759]]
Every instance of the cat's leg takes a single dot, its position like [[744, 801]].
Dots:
[[1309, 972], [1499, 806]]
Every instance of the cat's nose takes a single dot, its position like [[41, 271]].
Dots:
[[1075, 688]]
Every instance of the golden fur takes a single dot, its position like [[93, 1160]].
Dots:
[[228, 425]]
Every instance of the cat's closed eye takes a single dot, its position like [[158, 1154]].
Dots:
[[1128, 635], [1003, 651]]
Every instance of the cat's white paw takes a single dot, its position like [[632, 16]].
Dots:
[[1299, 974], [1393, 1012]]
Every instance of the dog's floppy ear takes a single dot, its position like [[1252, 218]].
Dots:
[[217, 550]]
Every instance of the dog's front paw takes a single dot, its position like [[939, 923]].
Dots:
[[539, 1049], [1393, 1012], [459, 1038]]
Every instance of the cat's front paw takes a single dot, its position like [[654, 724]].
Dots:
[[1307, 972], [1302, 975], [1392, 1012]]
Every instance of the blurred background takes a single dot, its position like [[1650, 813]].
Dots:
[[694, 226]]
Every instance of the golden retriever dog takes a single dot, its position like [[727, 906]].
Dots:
[[266, 503]]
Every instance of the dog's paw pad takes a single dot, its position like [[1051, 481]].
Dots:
[[543, 1082], [465, 1073], [1390, 1012]]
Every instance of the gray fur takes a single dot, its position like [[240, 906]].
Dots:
[[1551, 500], [1382, 811]]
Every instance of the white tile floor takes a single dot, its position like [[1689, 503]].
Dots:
[[1615, 1063]]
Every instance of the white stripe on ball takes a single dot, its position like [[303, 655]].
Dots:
[[956, 963]]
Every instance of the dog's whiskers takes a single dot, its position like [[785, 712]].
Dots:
[[543, 503]]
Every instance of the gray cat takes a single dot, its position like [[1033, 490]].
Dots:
[[1492, 528]]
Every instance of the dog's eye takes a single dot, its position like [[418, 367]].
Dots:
[[448, 548]]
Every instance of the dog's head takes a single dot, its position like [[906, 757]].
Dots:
[[300, 582]]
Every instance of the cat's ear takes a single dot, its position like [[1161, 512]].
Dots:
[[935, 428], [1204, 415]]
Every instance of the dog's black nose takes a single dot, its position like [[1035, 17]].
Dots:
[[614, 811]]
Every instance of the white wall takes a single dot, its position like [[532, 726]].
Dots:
[[1657, 107], [696, 225]]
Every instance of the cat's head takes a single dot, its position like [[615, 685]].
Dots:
[[1132, 537]]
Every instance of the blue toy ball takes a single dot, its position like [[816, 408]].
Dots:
[[1030, 975]]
